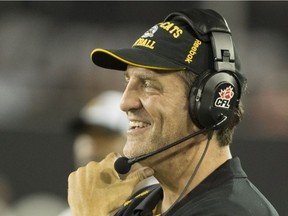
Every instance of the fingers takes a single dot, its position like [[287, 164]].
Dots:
[[92, 166], [88, 185], [101, 173], [124, 188], [111, 157]]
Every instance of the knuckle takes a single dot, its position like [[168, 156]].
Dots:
[[112, 155], [71, 175], [80, 169], [91, 165]]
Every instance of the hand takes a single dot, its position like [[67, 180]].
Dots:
[[96, 190]]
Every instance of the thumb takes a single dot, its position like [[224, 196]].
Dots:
[[140, 174], [123, 189]]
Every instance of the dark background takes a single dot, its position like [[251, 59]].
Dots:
[[46, 76]]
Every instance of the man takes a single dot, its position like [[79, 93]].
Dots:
[[183, 101]]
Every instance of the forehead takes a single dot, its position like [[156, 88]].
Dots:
[[169, 79], [147, 73]]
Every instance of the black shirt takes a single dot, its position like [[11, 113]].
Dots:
[[225, 192]]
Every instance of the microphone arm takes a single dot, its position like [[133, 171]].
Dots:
[[122, 165], [142, 157]]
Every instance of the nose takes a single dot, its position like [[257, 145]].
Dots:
[[130, 99]]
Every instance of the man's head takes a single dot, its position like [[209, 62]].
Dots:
[[157, 114], [99, 129], [198, 45]]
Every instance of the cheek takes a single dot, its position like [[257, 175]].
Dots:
[[179, 116], [177, 105], [171, 111]]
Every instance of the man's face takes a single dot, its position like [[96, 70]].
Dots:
[[157, 108]]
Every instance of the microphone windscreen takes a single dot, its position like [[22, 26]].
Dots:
[[122, 166]]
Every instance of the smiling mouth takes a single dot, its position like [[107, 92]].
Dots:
[[138, 124]]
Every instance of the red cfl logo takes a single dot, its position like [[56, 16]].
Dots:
[[225, 96]]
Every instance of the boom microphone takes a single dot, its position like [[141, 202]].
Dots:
[[123, 165]]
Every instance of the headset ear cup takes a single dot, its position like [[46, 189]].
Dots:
[[213, 96], [194, 100]]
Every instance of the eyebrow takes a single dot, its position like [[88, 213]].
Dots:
[[142, 76]]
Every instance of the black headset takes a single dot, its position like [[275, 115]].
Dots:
[[216, 93]]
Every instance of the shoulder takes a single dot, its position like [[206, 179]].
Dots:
[[224, 207], [235, 198]]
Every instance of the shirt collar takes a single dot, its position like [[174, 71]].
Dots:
[[228, 170]]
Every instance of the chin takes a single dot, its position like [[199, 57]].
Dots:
[[130, 151]]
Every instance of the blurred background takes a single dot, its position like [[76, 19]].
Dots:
[[46, 76]]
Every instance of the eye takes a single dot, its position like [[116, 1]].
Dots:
[[151, 87], [147, 84]]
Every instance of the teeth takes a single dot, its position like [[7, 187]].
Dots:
[[133, 124]]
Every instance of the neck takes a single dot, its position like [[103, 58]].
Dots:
[[182, 163]]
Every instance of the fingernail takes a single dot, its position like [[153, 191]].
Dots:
[[148, 172]]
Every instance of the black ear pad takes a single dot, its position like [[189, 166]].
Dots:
[[212, 97]]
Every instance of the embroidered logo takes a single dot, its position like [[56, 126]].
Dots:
[[150, 32], [144, 42], [224, 97], [193, 51]]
